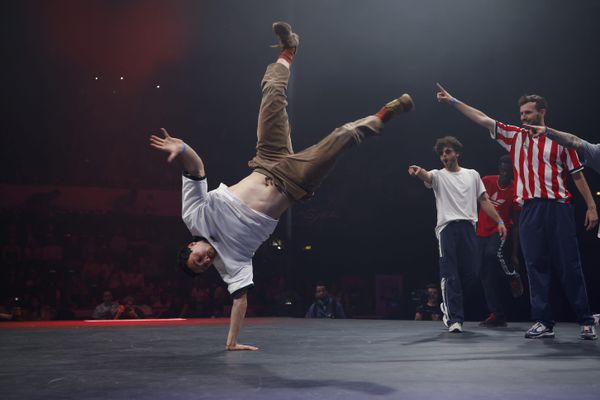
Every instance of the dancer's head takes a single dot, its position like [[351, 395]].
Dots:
[[505, 170], [532, 109], [448, 149], [196, 257]]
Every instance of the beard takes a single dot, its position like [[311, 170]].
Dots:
[[450, 163], [537, 120]]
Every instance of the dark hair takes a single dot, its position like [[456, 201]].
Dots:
[[321, 283], [447, 141], [182, 258], [184, 255], [431, 286], [540, 102]]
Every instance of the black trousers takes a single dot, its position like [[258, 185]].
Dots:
[[458, 266]]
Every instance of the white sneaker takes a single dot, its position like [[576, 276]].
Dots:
[[539, 330], [455, 328], [588, 332]]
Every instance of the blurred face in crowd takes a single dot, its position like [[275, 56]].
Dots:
[[433, 295], [107, 298], [320, 292]]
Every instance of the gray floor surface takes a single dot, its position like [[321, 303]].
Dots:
[[298, 359]]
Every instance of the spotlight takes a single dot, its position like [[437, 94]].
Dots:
[[96, 78], [308, 247], [122, 78], [158, 86]]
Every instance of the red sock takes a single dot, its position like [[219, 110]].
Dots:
[[287, 54], [384, 114]]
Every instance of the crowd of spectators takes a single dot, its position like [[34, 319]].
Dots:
[[62, 266]]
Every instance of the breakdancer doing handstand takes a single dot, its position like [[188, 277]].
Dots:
[[230, 223]]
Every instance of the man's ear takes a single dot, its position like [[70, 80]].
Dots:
[[191, 244]]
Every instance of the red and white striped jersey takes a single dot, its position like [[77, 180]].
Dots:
[[541, 165]]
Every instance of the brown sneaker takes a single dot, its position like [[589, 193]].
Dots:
[[402, 104], [287, 38]]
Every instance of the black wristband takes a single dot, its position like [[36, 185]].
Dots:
[[193, 177]]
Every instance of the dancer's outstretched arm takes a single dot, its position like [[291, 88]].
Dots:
[[472, 113], [422, 174], [238, 312], [192, 163], [566, 139]]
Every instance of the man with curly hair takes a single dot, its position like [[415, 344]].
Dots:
[[457, 192]]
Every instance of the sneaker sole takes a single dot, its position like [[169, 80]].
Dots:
[[548, 335]]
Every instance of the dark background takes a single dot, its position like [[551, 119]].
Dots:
[[64, 127]]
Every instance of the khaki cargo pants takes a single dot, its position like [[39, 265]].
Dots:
[[298, 174]]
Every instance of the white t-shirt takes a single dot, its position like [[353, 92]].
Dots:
[[230, 226], [456, 195]]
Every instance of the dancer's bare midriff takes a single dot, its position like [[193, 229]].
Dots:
[[260, 194]]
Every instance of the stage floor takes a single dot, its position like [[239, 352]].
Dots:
[[298, 359]]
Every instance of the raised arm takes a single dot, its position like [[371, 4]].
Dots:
[[472, 113], [490, 210], [422, 174], [192, 163], [566, 139]]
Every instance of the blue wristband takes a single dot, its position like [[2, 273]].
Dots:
[[453, 101], [500, 222], [182, 149]]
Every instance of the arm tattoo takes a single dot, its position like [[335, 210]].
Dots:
[[565, 139]]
